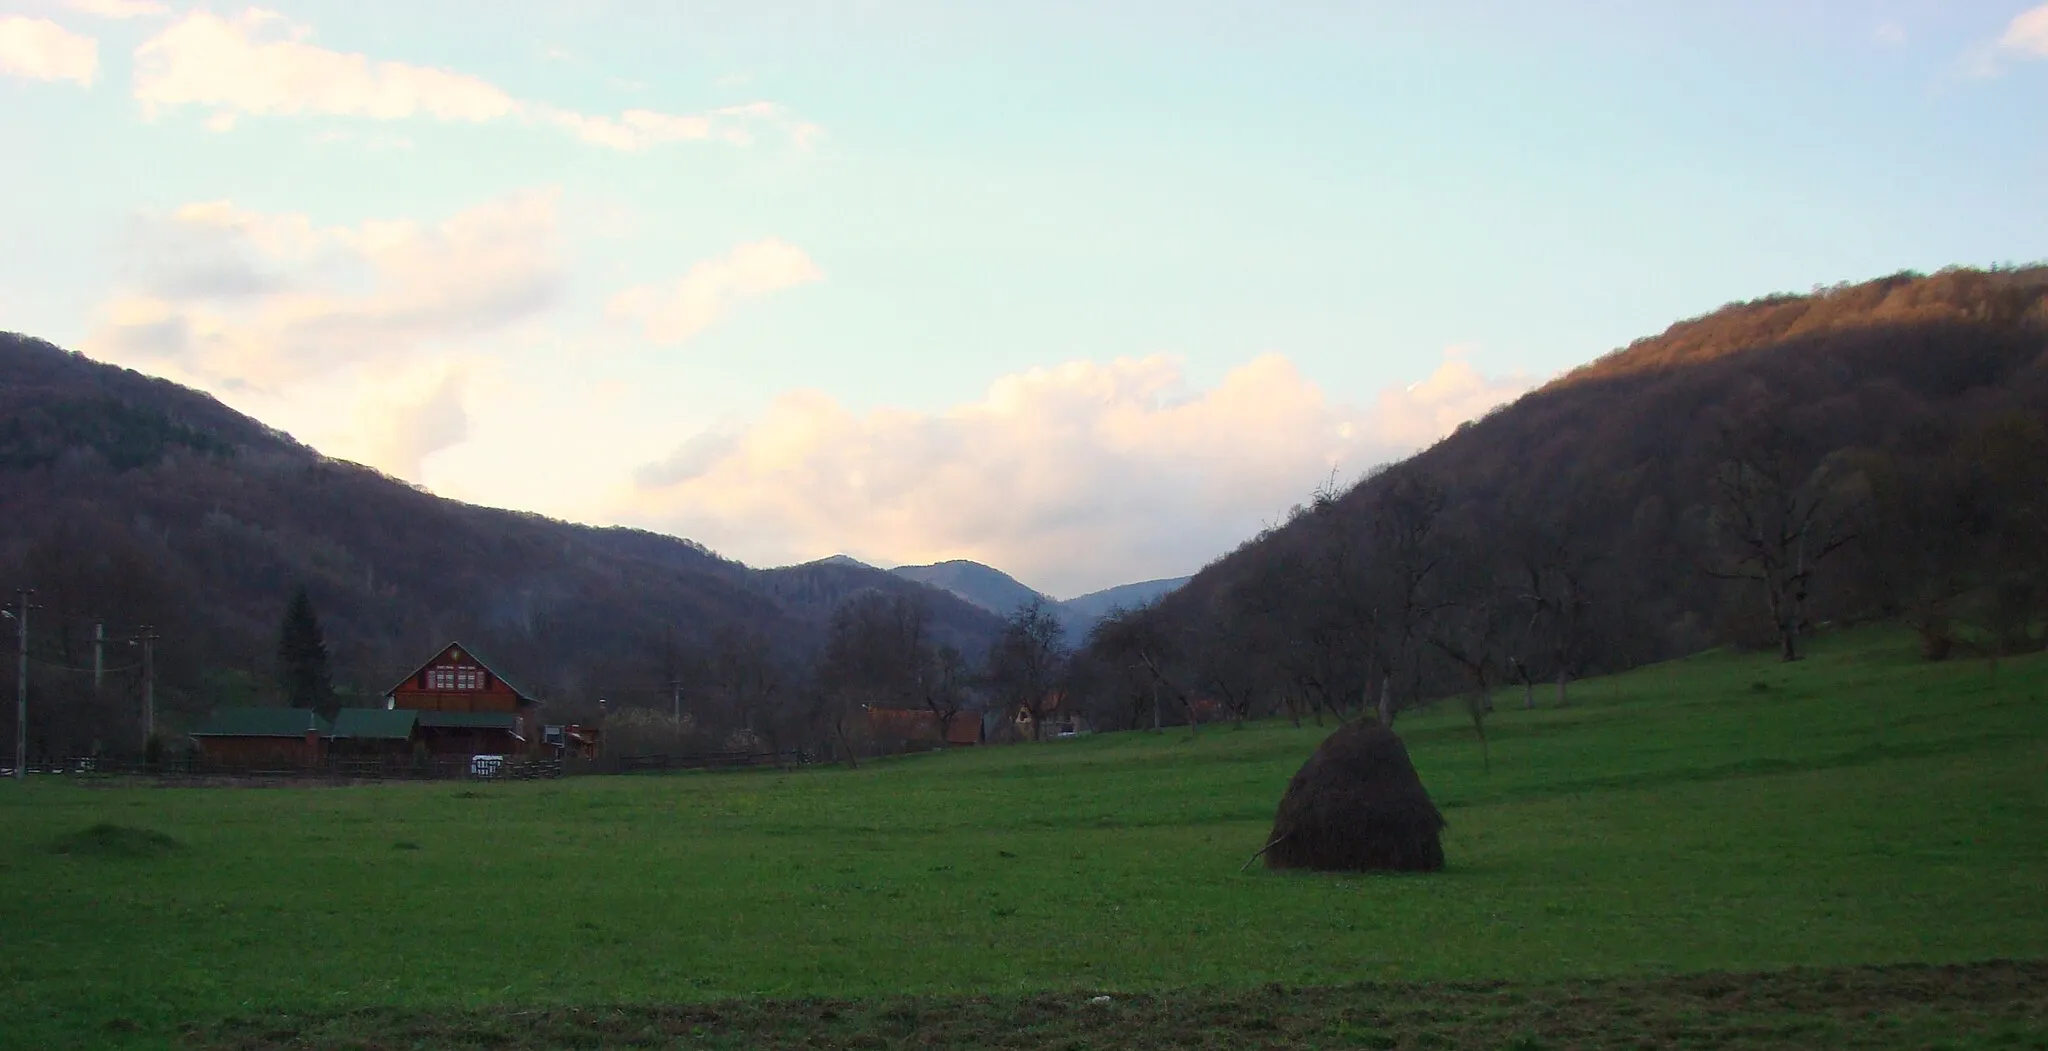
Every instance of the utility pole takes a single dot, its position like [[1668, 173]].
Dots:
[[21, 689], [99, 655], [148, 683]]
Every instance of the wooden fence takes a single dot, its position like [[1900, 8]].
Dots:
[[329, 769], [643, 764], [408, 768]]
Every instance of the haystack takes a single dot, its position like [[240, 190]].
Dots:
[[1357, 806]]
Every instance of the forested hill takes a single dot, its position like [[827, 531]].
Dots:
[[1875, 449], [134, 501]]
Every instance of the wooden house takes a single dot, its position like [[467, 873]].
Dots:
[[246, 737], [1062, 718], [463, 707]]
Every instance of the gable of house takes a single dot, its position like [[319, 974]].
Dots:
[[457, 680]]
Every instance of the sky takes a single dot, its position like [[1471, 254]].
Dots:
[[1091, 292]]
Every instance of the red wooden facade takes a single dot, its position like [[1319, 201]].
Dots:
[[304, 750], [456, 681]]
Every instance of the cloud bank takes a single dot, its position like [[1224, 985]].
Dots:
[[227, 298], [118, 9], [39, 49], [1073, 477], [2028, 33], [261, 64]]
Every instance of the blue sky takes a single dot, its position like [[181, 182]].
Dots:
[[1089, 291]]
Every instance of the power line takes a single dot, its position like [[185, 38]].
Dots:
[[38, 661]]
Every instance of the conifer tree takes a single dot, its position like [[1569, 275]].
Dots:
[[302, 657]]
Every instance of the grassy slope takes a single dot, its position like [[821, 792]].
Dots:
[[1860, 807]]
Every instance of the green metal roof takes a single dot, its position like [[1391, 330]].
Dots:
[[379, 724], [261, 722], [469, 721]]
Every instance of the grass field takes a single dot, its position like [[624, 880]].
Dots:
[[1718, 814]]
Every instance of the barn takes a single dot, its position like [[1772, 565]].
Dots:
[[464, 707], [367, 732], [263, 737]]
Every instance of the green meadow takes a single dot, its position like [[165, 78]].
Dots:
[[1722, 813]]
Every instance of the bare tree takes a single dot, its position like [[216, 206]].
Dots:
[[877, 656], [1025, 662], [942, 679], [1775, 521], [749, 682], [1408, 551], [1549, 565], [1469, 630], [1139, 637]]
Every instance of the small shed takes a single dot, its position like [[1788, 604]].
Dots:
[[263, 736]]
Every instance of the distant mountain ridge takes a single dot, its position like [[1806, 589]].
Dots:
[[1124, 596], [1002, 594]]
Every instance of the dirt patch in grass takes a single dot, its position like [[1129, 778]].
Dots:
[[115, 841], [1999, 1004]]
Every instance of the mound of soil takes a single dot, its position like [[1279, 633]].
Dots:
[[115, 841]]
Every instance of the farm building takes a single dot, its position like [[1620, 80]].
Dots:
[[263, 736], [373, 732], [464, 707], [570, 739], [1062, 717]]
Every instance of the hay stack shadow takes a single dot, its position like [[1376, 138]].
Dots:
[[1357, 806]]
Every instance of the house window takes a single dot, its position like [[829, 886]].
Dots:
[[456, 678]]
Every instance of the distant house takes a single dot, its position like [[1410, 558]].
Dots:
[[1062, 718], [453, 705], [920, 727], [569, 739], [263, 737], [464, 707]]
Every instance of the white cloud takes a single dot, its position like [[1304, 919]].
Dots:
[[260, 64], [1073, 477], [39, 49], [675, 313], [229, 299], [1890, 34], [118, 9], [2028, 33]]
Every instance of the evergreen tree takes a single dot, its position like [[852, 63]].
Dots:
[[302, 658]]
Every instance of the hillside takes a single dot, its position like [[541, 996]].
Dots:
[[1890, 433], [138, 502], [985, 586], [1098, 604]]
